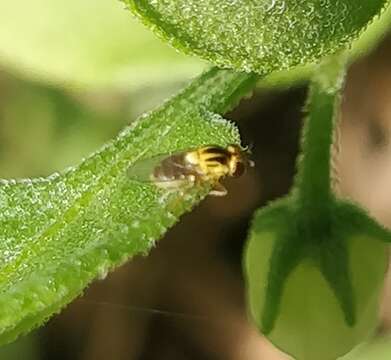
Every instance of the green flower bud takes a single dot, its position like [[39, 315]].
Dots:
[[315, 292]]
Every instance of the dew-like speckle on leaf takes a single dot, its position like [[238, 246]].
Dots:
[[58, 234], [258, 35]]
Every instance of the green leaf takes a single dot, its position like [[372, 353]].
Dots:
[[57, 234], [85, 44], [373, 35], [365, 43], [261, 36]]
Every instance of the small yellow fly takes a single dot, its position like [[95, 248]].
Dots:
[[209, 163]]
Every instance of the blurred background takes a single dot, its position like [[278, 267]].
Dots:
[[72, 74]]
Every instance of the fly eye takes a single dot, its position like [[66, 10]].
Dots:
[[239, 170]]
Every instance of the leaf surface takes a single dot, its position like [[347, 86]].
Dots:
[[258, 35], [59, 233]]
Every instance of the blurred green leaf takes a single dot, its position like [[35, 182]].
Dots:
[[261, 36], [59, 233], [26, 348], [85, 44], [68, 127], [379, 349]]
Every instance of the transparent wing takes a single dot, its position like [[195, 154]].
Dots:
[[142, 170]]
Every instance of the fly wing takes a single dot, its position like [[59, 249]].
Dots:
[[160, 169], [142, 170]]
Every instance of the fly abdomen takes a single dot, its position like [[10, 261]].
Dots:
[[172, 168]]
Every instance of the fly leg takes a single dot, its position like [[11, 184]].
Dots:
[[218, 190]]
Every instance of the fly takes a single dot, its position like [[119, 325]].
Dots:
[[207, 164]]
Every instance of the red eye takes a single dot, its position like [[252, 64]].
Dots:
[[240, 169]]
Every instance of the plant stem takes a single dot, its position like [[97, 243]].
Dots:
[[313, 177]]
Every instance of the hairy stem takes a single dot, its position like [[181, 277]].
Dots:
[[313, 177]]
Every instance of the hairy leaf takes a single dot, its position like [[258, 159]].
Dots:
[[57, 234], [365, 43], [259, 35]]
